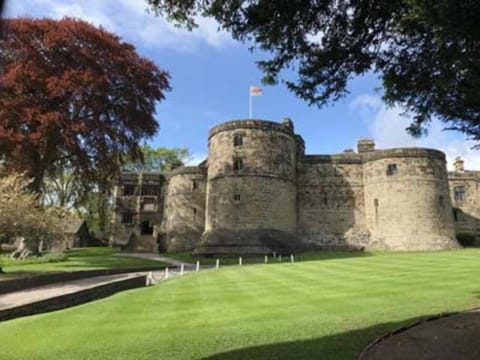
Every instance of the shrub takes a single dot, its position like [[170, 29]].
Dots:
[[53, 257]]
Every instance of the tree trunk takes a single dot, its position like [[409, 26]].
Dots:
[[26, 247]]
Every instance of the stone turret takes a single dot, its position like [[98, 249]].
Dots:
[[251, 190], [407, 200]]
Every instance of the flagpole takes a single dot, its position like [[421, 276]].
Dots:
[[250, 105]]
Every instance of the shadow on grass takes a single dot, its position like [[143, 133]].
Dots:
[[347, 345]]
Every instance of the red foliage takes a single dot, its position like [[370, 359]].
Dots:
[[72, 93]]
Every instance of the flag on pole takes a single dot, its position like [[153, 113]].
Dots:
[[255, 91]]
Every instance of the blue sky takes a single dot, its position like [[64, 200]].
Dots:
[[211, 75]]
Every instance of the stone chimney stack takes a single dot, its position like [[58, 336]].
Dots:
[[288, 123], [365, 145], [459, 164]]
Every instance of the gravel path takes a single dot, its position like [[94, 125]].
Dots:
[[455, 337], [19, 298]]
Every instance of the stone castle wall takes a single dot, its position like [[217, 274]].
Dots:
[[184, 220], [260, 193], [330, 201], [466, 206]]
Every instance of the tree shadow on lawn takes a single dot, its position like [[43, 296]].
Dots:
[[347, 345]]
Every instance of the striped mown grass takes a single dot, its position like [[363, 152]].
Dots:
[[319, 309]]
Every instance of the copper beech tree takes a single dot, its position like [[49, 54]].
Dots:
[[73, 94]]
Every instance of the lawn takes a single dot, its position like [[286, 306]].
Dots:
[[75, 260], [319, 309]]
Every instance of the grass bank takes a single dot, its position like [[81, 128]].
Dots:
[[320, 309]]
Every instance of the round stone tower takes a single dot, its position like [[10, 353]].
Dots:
[[407, 201], [184, 219], [251, 191]]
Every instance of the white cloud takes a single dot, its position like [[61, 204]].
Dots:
[[129, 19], [387, 126]]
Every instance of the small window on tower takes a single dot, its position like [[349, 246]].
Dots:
[[392, 169], [194, 210], [236, 197], [194, 185], [459, 193], [237, 164], [237, 140]]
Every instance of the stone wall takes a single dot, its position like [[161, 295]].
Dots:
[[184, 220], [331, 211], [407, 200], [466, 207]]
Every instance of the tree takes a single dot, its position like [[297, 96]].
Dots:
[[158, 159], [425, 51], [23, 218], [76, 94]]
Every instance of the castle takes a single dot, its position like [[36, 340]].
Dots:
[[258, 192]]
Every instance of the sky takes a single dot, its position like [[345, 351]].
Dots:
[[210, 77]]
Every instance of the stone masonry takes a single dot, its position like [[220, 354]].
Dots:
[[258, 193]]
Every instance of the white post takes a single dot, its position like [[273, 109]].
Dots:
[[166, 273], [149, 279], [217, 265], [182, 268], [266, 259], [240, 261], [280, 257], [198, 266], [291, 258], [274, 254]]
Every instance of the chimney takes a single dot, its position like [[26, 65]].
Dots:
[[287, 122], [458, 164], [365, 145]]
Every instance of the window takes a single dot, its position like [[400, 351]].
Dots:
[[150, 190], [127, 218], [392, 169], [237, 164], [459, 193], [237, 140], [146, 228], [149, 203], [129, 190], [236, 197], [194, 210], [194, 185], [375, 202]]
